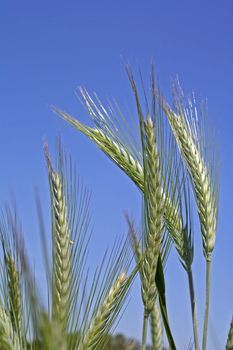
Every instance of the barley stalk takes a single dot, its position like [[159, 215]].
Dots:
[[14, 292], [156, 329], [8, 338], [98, 323], [62, 250], [193, 308], [229, 345], [144, 330], [138, 256], [184, 247], [183, 240]]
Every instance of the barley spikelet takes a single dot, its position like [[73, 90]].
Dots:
[[190, 148], [97, 326], [229, 345], [14, 292], [8, 338], [154, 207], [156, 329], [61, 249]]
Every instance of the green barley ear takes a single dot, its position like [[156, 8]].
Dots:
[[13, 288], [154, 208], [191, 142], [9, 339], [14, 291], [19, 303], [10, 235], [93, 336], [202, 169], [61, 278], [112, 147], [229, 345], [103, 302]]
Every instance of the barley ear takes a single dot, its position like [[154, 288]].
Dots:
[[205, 191], [14, 292], [154, 206], [229, 345], [10, 231], [61, 279], [9, 339], [114, 149], [93, 336], [191, 142]]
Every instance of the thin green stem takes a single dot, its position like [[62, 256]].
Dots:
[[193, 307], [207, 302], [144, 331]]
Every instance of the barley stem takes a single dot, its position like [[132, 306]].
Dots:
[[193, 307], [144, 330], [207, 302]]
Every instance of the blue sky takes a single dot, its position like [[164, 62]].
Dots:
[[48, 48]]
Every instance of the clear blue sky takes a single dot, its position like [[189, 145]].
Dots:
[[48, 48]]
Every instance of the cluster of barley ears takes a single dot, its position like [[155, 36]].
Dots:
[[166, 155], [83, 305], [168, 159]]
